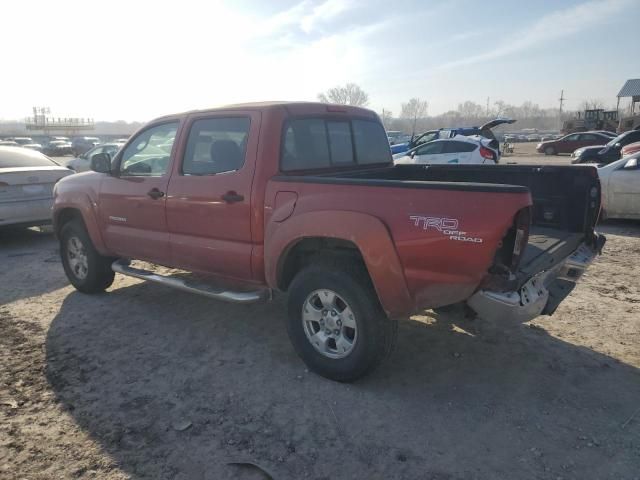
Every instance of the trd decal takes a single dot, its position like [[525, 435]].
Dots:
[[446, 226]]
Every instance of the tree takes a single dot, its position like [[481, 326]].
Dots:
[[592, 104], [413, 110], [350, 94], [386, 116], [470, 109]]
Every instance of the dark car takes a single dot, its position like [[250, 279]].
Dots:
[[610, 152], [57, 148], [570, 143], [81, 145]]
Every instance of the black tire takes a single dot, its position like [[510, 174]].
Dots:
[[376, 335], [99, 275], [549, 151]]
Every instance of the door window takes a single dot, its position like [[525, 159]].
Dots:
[[459, 147], [571, 138], [149, 153], [216, 145], [589, 137], [430, 148]]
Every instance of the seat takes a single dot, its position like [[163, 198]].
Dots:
[[225, 155]]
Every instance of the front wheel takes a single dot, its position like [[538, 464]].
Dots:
[[335, 321], [86, 269], [549, 151]]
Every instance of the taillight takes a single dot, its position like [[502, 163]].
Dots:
[[522, 224], [486, 153]]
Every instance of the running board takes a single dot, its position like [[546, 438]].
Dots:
[[123, 267]]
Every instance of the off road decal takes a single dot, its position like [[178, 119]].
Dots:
[[448, 227]]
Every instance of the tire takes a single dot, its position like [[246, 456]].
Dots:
[[370, 333], [86, 269], [549, 151]]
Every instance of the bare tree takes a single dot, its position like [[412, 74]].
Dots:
[[413, 110], [470, 109], [592, 104], [386, 116], [350, 94]]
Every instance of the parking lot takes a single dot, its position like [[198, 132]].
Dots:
[[147, 382]]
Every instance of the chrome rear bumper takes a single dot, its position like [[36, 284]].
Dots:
[[540, 295]]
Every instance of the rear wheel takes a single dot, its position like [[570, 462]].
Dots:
[[335, 321], [86, 269], [549, 151]]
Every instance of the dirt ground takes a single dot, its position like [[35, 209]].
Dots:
[[147, 382]]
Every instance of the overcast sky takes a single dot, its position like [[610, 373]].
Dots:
[[135, 59]]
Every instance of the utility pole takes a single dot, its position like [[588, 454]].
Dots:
[[487, 107], [562, 99]]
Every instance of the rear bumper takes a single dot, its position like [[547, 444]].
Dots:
[[26, 212], [541, 294]]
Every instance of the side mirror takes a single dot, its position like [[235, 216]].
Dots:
[[632, 164], [101, 163], [618, 146], [412, 154]]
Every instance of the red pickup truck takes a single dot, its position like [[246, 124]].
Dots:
[[304, 198]]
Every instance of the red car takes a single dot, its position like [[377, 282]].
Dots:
[[630, 149], [304, 198], [571, 142]]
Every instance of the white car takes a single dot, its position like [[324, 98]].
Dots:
[[460, 149], [620, 181], [82, 163], [27, 178]]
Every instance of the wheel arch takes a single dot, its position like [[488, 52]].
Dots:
[[359, 236]]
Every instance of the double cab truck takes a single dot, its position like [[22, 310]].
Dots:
[[249, 200]]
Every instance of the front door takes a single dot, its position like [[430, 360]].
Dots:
[[133, 198], [209, 195]]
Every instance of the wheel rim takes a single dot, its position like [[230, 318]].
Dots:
[[77, 257], [329, 324]]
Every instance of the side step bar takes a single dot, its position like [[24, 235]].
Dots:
[[123, 267]]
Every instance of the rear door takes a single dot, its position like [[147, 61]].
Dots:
[[208, 203], [132, 199], [430, 153], [459, 152]]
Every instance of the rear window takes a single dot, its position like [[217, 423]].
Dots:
[[317, 143], [12, 159]]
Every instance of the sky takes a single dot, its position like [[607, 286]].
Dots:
[[138, 59]]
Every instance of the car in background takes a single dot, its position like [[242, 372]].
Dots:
[[82, 163], [80, 145], [607, 133], [26, 186], [570, 143], [610, 152], [462, 150], [620, 184], [57, 148], [630, 149], [444, 133], [27, 142], [534, 137], [8, 143]]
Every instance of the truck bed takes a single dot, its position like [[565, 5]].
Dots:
[[546, 247]]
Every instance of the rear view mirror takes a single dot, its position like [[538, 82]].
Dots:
[[101, 163], [632, 164]]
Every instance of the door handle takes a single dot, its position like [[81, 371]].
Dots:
[[232, 197], [155, 193]]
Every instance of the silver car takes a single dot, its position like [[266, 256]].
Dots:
[[620, 182], [27, 178]]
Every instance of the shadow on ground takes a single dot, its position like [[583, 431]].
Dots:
[[22, 253], [626, 228], [177, 386]]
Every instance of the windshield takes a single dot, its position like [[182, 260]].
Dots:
[[616, 139]]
